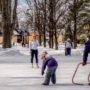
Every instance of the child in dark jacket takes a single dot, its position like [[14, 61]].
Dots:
[[86, 51], [51, 64]]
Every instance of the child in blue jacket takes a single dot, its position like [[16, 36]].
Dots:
[[51, 64]]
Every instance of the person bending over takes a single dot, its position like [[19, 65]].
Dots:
[[51, 64]]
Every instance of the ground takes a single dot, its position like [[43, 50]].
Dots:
[[16, 72]]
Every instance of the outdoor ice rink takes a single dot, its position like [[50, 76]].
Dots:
[[16, 72]]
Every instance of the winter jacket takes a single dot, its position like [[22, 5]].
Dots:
[[87, 44], [34, 45], [49, 62], [68, 44]]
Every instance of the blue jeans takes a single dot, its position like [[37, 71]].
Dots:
[[50, 75]]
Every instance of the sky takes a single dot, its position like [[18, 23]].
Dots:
[[22, 6], [21, 2]]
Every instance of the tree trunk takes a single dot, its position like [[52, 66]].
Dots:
[[75, 26], [74, 35], [40, 36], [51, 20], [9, 18], [49, 38], [44, 35], [56, 37], [52, 41], [56, 40], [7, 24]]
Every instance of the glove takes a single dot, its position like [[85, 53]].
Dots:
[[42, 73]]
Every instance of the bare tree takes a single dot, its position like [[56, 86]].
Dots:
[[78, 12], [48, 14], [9, 18], [56, 13]]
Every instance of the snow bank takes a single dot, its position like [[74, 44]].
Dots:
[[26, 51]]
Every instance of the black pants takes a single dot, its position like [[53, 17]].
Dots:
[[34, 53], [85, 55], [68, 51]]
